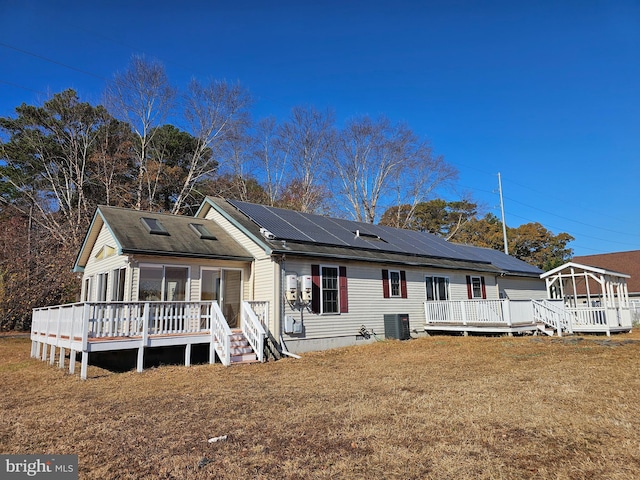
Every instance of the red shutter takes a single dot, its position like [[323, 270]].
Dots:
[[484, 290], [385, 283], [315, 288], [403, 283], [469, 288], [344, 295]]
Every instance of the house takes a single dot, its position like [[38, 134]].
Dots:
[[628, 262], [250, 280]]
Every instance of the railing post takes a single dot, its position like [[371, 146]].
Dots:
[[463, 312], [85, 326], [145, 337], [506, 311], [145, 323]]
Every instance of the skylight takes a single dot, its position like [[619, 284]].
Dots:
[[154, 226], [202, 231]]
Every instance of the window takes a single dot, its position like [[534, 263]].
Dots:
[[150, 284], [394, 283], [87, 289], [101, 290], [117, 289], [476, 287], [437, 288], [154, 226], [163, 283], [175, 284], [210, 285], [329, 289]]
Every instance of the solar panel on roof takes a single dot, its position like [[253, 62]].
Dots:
[[304, 227]]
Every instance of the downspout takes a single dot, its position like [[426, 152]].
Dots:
[[278, 307]]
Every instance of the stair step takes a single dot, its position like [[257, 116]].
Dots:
[[240, 350], [243, 358]]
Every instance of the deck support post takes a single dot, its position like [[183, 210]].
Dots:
[[72, 361], [61, 357], [52, 355], [187, 355], [84, 364], [140, 365]]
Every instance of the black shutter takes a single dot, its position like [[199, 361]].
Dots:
[[315, 288]]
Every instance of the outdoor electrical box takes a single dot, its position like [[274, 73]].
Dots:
[[396, 326], [291, 288], [307, 286], [292, 326]]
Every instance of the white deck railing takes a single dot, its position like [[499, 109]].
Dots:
[[478, 312], [220, 335], [73, 325], [600, 317], [253, 330], [553, 314]]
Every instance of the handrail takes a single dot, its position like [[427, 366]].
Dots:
[[253, 330], [552, 315], [220, 334]]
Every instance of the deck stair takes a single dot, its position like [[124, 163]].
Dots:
[[546, 329], [551, 319], [241, 350]]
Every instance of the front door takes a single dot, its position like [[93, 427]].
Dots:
[[231, 295], [225, 287]]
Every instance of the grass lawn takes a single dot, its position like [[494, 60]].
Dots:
[[439, 407]]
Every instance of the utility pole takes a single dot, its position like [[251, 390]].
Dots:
[[504, 224]]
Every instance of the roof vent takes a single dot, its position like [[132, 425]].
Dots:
[[368, 236], [267, 234]]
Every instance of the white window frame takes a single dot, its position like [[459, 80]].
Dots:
[[88, 284], [397, 294], [435, 290], [322, 289], [473, 278], [164, 266], [102, 286], [116, 275]]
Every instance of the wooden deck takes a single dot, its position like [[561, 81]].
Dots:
[[519, 316], [108, 326]]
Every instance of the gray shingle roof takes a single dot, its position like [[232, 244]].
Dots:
[[180, 240]]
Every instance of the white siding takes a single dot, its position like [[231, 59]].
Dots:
[[367, 306], [106, 265], [523, 288], [239, 236]]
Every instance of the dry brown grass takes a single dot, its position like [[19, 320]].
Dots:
[[439, 407]]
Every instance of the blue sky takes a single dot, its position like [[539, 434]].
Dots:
[[547, 93]]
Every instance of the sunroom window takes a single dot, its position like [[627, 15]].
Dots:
[[163, 283]]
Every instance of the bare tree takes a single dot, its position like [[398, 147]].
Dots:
[[272, 157], [218, 115], [142, 96], [306, 139], [375, 160]]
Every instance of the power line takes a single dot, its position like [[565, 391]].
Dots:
[[46, 59]]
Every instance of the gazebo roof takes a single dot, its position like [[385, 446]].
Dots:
[[583, 269]]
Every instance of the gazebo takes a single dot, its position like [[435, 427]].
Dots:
[[595, 299]]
